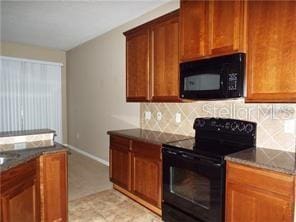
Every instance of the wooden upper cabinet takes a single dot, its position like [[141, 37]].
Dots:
[[165, 59], [271, 51], [226, 25], [137, 65], [192, 29], [152, 60], [210, 28]]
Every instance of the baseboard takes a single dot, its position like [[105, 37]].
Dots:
[[144, 203], [78, 150]]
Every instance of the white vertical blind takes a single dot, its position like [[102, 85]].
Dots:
[[30, 95]]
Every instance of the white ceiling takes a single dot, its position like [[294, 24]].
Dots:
[[66, 24]]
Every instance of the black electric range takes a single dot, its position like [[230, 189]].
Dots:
[[194, 169]]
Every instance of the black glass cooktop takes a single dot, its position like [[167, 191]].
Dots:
[[210, 148]]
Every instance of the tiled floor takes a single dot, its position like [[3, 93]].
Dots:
[[86, 176], [109, 206], [92, 199]]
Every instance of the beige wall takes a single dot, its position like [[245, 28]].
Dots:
[[45, 54], [96, 88]]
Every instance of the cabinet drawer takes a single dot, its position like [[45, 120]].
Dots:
[[17, 174], [148, 150], [119, 142], [263, 179]]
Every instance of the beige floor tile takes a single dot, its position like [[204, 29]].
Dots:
[[86, 176], [109, 206]]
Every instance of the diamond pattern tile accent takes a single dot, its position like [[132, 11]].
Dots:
[[269, 117]]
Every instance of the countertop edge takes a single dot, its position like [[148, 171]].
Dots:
[[260, 166], [26, 133], [151, 141], [112, 133], [38, 153]]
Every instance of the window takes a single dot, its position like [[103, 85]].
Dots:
[[30, 95]]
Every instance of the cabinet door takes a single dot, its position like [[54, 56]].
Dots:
[[192, 29], [53, 187], [120, 162], [258, 195], [146, 172], [146, 179], [226, 26], [137, 65], [271, 51], [245, 204], [120, 171], [165, 59], [20, 203]]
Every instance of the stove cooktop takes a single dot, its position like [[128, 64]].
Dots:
[[217, 137], [209, 148]]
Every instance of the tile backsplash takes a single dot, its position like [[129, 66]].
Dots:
[[275, 122], [26, 138]]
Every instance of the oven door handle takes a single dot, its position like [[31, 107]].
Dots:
[[211, 162], [201, 160], [171, 152], [187, 156], [217, 164]]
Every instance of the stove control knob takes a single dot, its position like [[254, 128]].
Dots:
[[234, 126], [227, 125], [249, 128], [241, 127], [201, 123], [213, 123]]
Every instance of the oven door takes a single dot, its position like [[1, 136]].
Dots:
[[194, 185]]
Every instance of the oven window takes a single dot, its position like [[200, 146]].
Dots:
[[202, 82], [191, 186]]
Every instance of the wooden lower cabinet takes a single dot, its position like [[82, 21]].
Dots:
[[36, 190], [120, 160], [135, 170], [146, 171], [19, 199], [53, 187], [255, 195], [23, 200]]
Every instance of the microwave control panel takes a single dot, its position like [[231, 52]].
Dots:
[[232, 81]]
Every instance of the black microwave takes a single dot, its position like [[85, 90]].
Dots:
[[214, 78]]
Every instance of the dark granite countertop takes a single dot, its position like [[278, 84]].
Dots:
[[25, 132], [28, 153], [149, 136], [275, 160]]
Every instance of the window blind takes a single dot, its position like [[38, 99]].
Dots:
[[30, 95]]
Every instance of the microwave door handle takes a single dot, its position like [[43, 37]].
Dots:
[[223, 81]]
